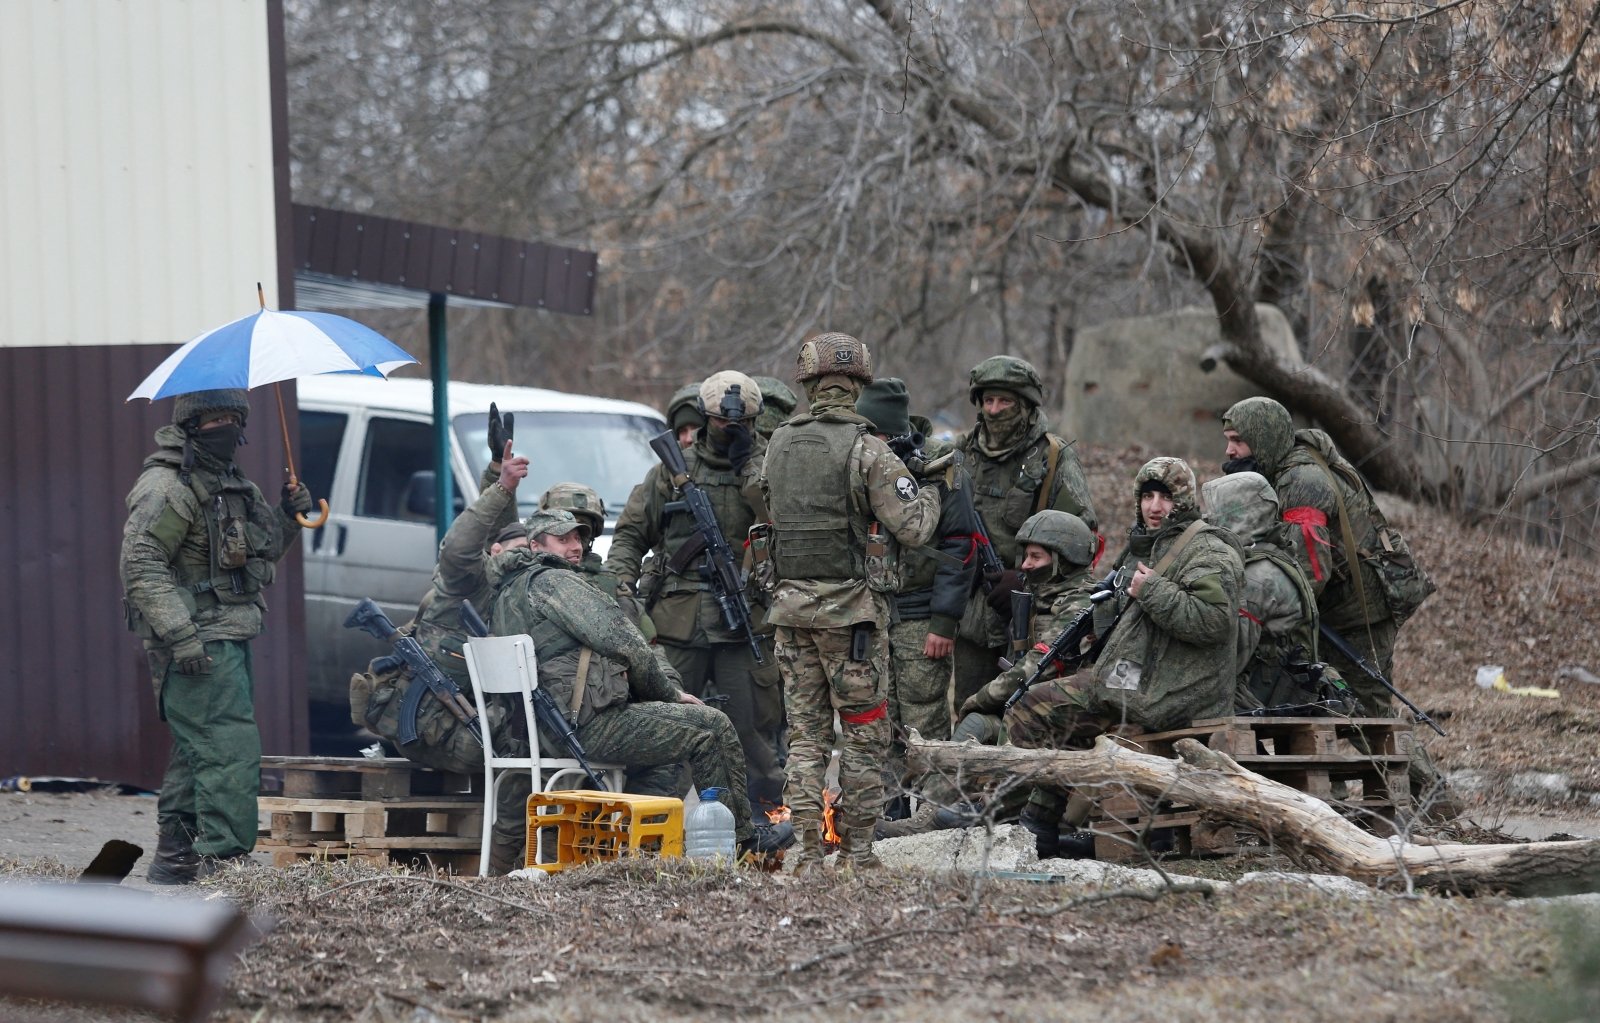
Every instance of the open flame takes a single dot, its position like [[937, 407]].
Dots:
[[830, 830]]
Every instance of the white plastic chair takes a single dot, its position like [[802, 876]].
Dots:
[[508, 664]]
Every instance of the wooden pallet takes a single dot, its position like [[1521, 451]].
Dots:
[[1323, 757], [370, 823], [457, 861], [360, 778]]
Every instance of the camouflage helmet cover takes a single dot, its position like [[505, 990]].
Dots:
[[197, 403], [828, 354], [556, 522], [1266, 426], [715, 388], [1243, 502], [578, 499], [775, 394], [684, 408], [1177, 477], [1006, 373], [1061, 532]]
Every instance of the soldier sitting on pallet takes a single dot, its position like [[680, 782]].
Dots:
[[1279, 671], [1169, 656]]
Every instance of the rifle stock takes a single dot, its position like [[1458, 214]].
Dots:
[[425, 675], [1063, 650]]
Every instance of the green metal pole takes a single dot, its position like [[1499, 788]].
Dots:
[[439, 359]]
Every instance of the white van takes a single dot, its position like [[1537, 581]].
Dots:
[[367, 446]]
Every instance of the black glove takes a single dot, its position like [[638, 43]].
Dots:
[[500, 428], [741, 445], [296, 499], [1000, 597]]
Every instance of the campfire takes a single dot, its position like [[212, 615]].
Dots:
[[830, 828]]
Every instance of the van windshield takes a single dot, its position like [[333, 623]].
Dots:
[[606, 450]]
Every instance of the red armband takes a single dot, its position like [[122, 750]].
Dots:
[[1308, 519], [1246, 614], [866, 717]]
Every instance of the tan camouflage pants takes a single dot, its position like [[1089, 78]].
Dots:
[[919, 686], [819, 679]]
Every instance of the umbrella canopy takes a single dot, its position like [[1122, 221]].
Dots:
[[268, 346]]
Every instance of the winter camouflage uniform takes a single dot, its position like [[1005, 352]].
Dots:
[[598, 668], [688, 621], [1018, 468], [1169, 658], [777, 404], [840, 501], [1278, 619], [1310, 498], [199, 546]]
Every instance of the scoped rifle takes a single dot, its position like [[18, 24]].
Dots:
[[1343, 646], [719, 565], [1063, 650], [545, 710], [425, 675]]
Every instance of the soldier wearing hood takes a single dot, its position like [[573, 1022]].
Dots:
[[1278, 618], [1169, 658], [683, 412], [723, 462], [778, 403], [199, 547], [1018, 468]]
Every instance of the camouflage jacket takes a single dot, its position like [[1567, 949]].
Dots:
[[543, 596], [172, 582], [882, 495], [1278, 616], [461, 574], [1006, 491], [682, 602], [1302, 483], [1170, 658], [1055, 604], [934, 587]]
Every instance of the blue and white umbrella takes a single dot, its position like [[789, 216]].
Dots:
[[269, 346]]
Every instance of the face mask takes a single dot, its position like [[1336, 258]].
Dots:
[[1004, 427], [717, 437], [219, 442], [1246, 464], [1041, 575]]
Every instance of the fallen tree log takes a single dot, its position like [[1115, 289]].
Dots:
[[1302, 825]]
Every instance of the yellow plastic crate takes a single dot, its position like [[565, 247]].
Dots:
[[584, 827]]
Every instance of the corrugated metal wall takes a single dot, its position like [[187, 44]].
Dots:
[[76, 692], [137, 189]]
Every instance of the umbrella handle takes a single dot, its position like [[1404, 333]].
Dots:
[[316, 523]]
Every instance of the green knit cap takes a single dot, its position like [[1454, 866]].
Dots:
[[886, 403]]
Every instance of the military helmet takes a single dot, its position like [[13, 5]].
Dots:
[[828, 354], [556, 522], [716, 389], [1060, 532], [775, 394], [684, 408], [197, 403], [1243, 502], [580, 500], [1175, 475], [1006, 373]]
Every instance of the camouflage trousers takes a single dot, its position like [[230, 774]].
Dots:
[[947, 790], [754, 704], [976, 666], [1064, 713], [214, 772], [919, 686], [654, 739], [820, 679]]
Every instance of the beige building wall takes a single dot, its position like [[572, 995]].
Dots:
[[136, 176]]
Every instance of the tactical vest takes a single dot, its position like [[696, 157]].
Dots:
[[1007, 491], [562, 660], [724, 489], [818, 529]]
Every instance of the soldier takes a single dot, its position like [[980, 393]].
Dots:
[[689, 624], [1057, 548], [839, 501], [486, 527], [1167, 660], [624, 707], [1018, 468], [199, 546], [932, 594], [683, 413], [777, 404], [1277, 644]]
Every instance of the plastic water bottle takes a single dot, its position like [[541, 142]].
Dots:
[[708, 832]]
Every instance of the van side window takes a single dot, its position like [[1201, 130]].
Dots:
[[321, 434], [397, 472]]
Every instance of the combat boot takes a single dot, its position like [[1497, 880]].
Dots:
[[175, 861], [1046, 834], [919, 823], [806, 856], [855, 849]]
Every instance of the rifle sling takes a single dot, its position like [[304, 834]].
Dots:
[[1052, 460], [1352, 555], [580, 681], [1193, 530], [687, 554]]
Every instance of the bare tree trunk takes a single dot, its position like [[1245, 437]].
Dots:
[[1301, 824]]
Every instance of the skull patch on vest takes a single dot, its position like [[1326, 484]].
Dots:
[[906, 487]]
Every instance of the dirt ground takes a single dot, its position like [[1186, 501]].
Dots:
[[668, 941]]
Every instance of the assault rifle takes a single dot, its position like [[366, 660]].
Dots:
[[1063, 650], [719, 565], [545, 710], [425, 675], [1343, 646]]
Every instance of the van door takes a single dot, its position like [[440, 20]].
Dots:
[[328, 449]]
